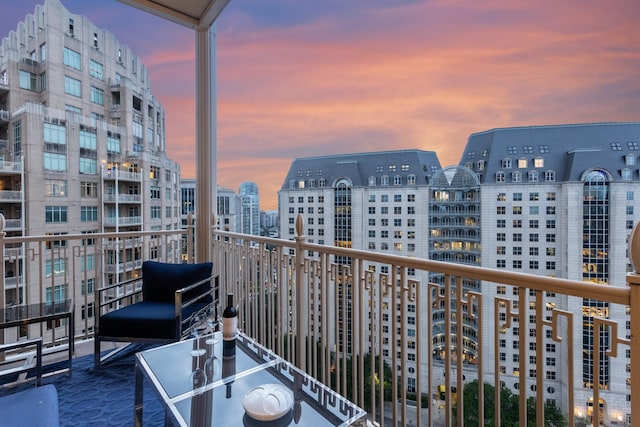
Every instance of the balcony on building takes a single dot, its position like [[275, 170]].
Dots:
[[302, 301]]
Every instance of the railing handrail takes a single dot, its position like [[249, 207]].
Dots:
[[106, 235], [618, 295]]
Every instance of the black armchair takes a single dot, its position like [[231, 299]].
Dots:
[[154, 308]]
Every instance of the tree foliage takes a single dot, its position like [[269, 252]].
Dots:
[[509, 408]]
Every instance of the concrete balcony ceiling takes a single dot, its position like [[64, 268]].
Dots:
[[196, 14]]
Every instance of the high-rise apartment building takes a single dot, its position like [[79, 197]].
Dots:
[[82, 143], [230, 210], [250, 208], [556, 200], [371, 201], [559, 201]]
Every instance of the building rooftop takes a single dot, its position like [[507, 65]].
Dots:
[[566, 150], [307, 172]]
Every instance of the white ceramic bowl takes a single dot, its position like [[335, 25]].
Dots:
[[268, 402]]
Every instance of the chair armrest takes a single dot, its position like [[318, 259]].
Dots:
[[115, 285], [179, 301], [21, 344], [99, 292]]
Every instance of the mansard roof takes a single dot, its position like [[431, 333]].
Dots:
[[567, 151], [358, 168]]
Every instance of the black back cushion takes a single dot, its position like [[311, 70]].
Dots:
[[160, 280]]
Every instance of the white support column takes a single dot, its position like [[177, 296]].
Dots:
[[206, 126]]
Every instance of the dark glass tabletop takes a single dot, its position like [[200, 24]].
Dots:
[[214, 396]]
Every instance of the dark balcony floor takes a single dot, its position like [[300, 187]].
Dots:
[[100, 396]]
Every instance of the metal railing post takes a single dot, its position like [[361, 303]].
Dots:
[[301, 297], [633, 281], [2, 284]]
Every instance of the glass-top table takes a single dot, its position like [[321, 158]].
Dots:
[[216, 398]]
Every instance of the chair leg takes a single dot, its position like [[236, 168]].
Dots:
[[96, 352]]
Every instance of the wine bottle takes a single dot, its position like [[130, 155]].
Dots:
[[229, 327]]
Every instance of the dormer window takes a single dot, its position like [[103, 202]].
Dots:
[[506, 163], [538, 162], [630, 159], [522, 163], [516, 177]]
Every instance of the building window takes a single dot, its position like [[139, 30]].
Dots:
[[55, 214], [88, 166], [550, 176], [88, 189], [522, 163], [156, 212], [538, 162], [56, 188], [88, 213], [96, 69], [72, 86], [97, 95], [72, 58], [113, 144], [27, 80]]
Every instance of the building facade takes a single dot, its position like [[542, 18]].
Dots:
[[555, 200], [560, 201], [371, 201], [250, 208], [82, 142]]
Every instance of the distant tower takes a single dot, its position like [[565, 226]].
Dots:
[[250, 208]]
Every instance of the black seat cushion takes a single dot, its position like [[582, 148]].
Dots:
[[146, 320]]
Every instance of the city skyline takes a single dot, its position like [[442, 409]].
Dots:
[[298, 79]]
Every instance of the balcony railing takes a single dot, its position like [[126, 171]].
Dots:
[[383, 328], [123, 198], [123, 175], [10, 196], [122, 221]]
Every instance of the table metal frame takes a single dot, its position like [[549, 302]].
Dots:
[[318, 400]]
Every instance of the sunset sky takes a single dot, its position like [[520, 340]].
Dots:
[[301, 78]]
